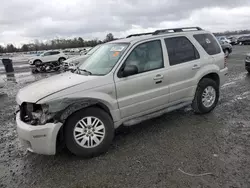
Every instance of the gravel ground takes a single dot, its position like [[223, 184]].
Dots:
[[155, 153]]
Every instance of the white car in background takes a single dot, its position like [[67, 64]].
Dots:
[[72, 63], [48, 56], [224, 39]]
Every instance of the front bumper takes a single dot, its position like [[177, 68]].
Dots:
[[223, 75], [39, 139]]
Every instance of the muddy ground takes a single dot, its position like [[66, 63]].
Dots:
[[151, 154]]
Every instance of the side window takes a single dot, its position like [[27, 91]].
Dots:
[[208, 42], [147, 56], [180, 50], [54, 53], [47, 53]]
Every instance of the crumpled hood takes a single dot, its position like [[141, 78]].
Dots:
[[38, 90]]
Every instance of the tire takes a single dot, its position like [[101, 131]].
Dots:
[[248, 70], [72, 124], [61, 59], [197, 105], [37, 62]]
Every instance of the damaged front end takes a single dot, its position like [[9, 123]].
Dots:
[[51, 112], [36, 114]]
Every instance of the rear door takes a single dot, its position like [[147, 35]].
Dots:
[[148, 90], [46, 57], [54, 56], [184, 61]]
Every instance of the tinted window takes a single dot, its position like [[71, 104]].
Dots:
[[208, 42], [47, 53], [146, 56], [180, 50], [55, 53]]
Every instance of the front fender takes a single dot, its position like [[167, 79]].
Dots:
[[68, 104]]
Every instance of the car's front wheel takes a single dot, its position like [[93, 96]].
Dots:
[[89, 132], [206, 96]]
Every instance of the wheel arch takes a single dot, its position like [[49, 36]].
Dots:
[[214, 76], [61, 58], [37, 60], [82, 104]]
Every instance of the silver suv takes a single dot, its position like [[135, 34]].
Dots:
[[125, 82]]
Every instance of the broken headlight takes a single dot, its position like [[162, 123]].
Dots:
[[35, 114], [42, 116]]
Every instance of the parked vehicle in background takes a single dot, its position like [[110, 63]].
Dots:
[[1, 83], [48, 56], [47, 61], [247, 63], [244, 40], [224, 39], [125, 81], [227, 48], [233, 40], [72, 63]]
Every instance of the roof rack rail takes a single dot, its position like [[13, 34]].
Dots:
[[139, 34], [173, 30]]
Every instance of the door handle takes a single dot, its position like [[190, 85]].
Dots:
[[196, 67], [158, 77]]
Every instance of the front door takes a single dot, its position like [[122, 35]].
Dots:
[[148, 90]]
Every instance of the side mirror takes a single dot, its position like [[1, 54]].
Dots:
[[129, 70]]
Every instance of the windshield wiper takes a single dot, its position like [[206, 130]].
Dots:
[[84, 70]]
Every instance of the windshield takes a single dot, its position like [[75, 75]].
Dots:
[[104, 59], [90, 52]]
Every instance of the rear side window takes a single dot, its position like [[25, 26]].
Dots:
[[208, 42], [180, 50], [55, 53]]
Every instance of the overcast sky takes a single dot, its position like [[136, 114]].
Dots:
[[22, 21]]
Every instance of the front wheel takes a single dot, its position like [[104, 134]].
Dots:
[[206, 96], [89, 132]]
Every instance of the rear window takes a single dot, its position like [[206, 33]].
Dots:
[[209, 43]]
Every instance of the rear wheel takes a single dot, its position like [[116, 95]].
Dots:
[[206, 96], [61, 59], [38, 64], [89, 132]]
